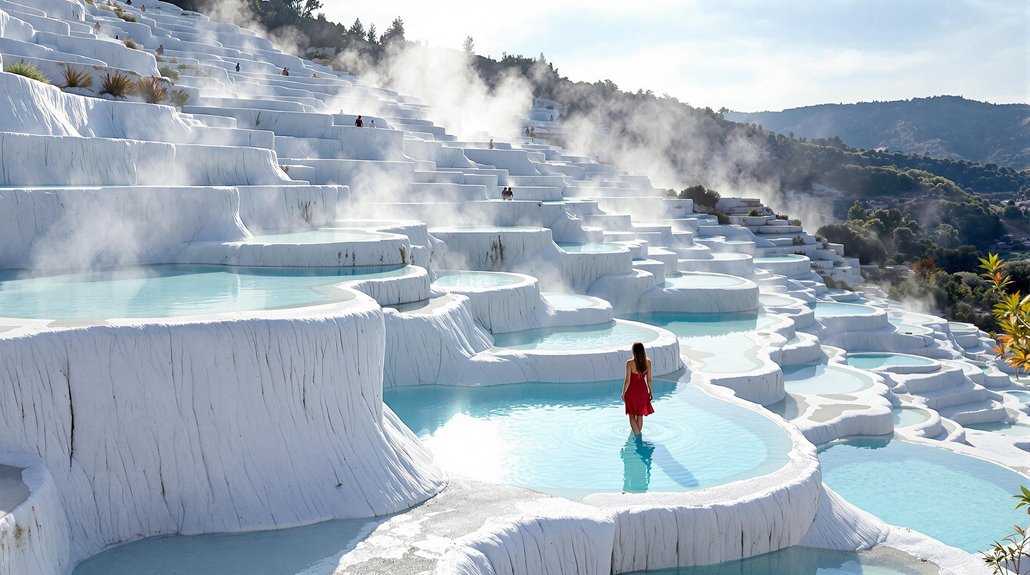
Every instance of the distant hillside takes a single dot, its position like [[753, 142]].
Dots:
[[941, 127]]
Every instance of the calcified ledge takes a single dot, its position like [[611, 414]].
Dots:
[[172, 425]]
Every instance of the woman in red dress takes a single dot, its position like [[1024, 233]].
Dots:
[[636, 389]]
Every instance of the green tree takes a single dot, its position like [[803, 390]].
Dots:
[[357, 29], [469, 46], [394, 33], [856, 211]]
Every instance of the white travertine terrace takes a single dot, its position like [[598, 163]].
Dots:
[[124, 428]]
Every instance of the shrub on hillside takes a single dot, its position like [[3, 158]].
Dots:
[[75, 78], [180, 98], [130, 43], [152, 90], [169, 72], [28, 70], [118, 85]]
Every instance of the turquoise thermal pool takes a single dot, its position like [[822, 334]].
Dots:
[[959, 327], [962, 501], [611, 335], [907, 416], [475, 279], [823, 379], [176, 290], [309, 550], [703, 280], [718, 341], [809, 561], [570, 300], [837, 309], [572, 439], [591, 248], [320, 236], [881, 360], [1022, 396], [776, 300], [1003, 427]]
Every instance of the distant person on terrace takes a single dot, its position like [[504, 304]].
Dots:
[[160, 50], [358, 122], [286, 71], [636, 388], [372, 123]]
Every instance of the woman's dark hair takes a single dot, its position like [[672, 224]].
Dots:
[[639, 357]]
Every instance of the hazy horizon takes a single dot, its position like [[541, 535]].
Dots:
[[743, 55]]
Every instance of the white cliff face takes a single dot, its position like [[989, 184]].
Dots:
[[196, 426]]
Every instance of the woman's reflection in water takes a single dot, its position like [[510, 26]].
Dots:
[[636, 464]]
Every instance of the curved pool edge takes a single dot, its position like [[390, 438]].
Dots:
[[498, 365], [38, 549], [742, 518]]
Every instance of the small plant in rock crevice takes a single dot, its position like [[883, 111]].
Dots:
[[153, 90], [179, 98], [28, 70], [169, 72], [117, 85], [76, 78]]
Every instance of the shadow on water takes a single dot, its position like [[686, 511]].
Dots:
[[639, 455]]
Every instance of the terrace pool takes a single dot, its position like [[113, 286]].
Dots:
[[591, 248], [1003, 427], [809, 561], [309, 550], [1022, 396], [572, 439], [777, 300], [570, 300], [703, 280], [823, 379], [837, 309], [475, 279], [880, 360], [175, 290], [614, 334], [717, 341], [963, 501], [907, 416], [319, 236]]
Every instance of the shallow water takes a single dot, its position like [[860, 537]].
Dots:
[[616, 334], [717, 341], [963, 501], [686, 281], [572, 439], [877, 360], [175, 290], [823, 379], [836, 309], [475, 279], [309, 550]]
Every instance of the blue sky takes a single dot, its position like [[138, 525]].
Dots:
[[742, 54]]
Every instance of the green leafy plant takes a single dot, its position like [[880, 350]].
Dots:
[[118, 85], [153, 90], [1012, 313], [180, 98], [30, 71], [130, 43], [76, 78], [169, 72], [754, 213], [1007, 555]]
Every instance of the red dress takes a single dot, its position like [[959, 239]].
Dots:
[[637, 400]]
